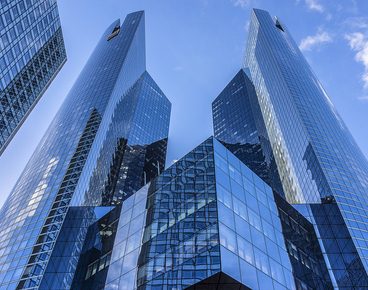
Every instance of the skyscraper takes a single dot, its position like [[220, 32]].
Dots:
[[107, 140], [31, 54], [238, 124], [316, 156]]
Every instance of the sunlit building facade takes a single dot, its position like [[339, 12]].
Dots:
[[31, 54], [107, 140], [316, 156]]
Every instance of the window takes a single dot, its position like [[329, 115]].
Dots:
[[292, 249], [98, 265], [261, 261], [227, 238], [245, 250], [304, 259]]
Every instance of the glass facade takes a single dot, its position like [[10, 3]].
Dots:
[[123, 264], [310, 269], [279, 201], [136, 138], [316, 156], [107, 140], [181, 238], [342, 259], [94, 259], [252, 244], [206, 221], [238, 124], [64, 258], [31, 54]]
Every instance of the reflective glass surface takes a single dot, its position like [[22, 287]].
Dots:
[[64, 259], [252, 244], [123, 266], [133, 149], [92, 260], [306, 254], [31, 54], [199, 225], [180, 242], [238, 124], [89, 136], [316, 156], [343, 261]]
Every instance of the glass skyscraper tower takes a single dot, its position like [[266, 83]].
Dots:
[[31, 54], [238, 124], [317, 158], [108, 139]]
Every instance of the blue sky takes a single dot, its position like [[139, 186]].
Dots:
[[194, 47]]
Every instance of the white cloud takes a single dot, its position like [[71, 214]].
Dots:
[[314, 5], [241, 3], [359, 43], [357, 22], [315, 40]]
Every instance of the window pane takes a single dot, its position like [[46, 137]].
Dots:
[[230, 263], [245, 250], [242, 228], [227, 238]]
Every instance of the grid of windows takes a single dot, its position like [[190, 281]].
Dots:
[[94, 259], [64, 257], [31, 53], [180, 243], [54, 220], [196, 221], [309, 267], [252, 244], [60, 171], [238, 124], [345, 263], [315, 153], [136, 140], [123, 266]]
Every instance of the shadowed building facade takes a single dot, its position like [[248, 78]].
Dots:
[[31, 54], [238, 124], [107, 140]]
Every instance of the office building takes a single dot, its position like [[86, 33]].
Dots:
[[317, 158], [107, 140], [31, 54], [207, 222]]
